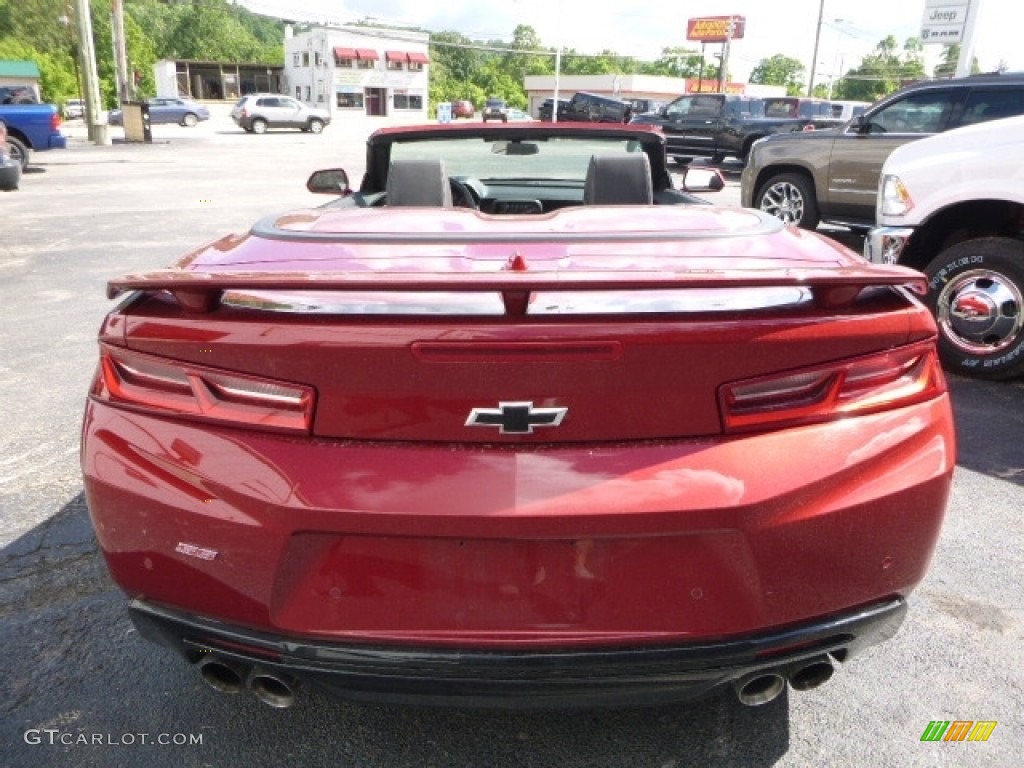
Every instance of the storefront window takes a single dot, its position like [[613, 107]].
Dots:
[[349, 100], [408, 100]]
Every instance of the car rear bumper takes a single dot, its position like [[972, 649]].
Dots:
[[591, 677], [515, 546], [57, 141]]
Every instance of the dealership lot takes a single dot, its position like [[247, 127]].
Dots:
[[74, 668]]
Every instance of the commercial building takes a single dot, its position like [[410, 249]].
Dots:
[[20, 73], [358, 70]]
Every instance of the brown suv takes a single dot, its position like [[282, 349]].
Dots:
[[805, 178]]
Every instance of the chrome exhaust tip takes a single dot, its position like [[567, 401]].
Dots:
[[759, 688], [222, 675], [812, 674], [273, 689]]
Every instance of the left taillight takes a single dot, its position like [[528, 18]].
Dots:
[[878, 382], [174, 388], [55, 122]]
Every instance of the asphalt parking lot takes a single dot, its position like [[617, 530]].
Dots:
[[79, 687]]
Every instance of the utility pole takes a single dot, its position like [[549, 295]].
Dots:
[[124, 91], [97, 123], [817, 40], [723, 70]]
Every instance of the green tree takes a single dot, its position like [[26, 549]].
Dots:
[[675, 62], [950, 59], [780, 70], [883, 71]]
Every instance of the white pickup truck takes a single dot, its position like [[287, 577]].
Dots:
[[952, 205]]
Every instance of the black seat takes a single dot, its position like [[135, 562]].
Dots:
[[418, 183], [623, 179]]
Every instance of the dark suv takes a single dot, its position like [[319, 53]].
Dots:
[[495, 109], [591, 108], [805, 178], [544, 112]]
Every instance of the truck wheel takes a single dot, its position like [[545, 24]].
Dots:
[[316, 126], [18, 152], [976, 290], [789, 197]]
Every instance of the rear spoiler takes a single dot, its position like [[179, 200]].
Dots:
[[831, 288]]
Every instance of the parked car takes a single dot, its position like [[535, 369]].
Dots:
[[844, 111], [74, 109], [518, 116], [463, 109], [398, 449], [818, 113], [174, 111], [544, 111], [952, 205], [259, 112], [806, 178], [32, 127], [10, 168], [645, 106], [717, 125], [586, 107], [495, 109]]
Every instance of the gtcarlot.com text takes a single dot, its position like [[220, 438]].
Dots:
[[54, 736]]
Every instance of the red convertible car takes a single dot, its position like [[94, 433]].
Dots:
[[518, 423]]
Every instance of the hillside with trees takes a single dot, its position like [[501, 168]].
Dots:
[[44, 31]]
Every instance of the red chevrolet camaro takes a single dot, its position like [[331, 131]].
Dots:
[[518, 423]]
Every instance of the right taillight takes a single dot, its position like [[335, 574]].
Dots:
[[862, 385], [174, 388]]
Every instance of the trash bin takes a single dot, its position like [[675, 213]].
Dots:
[[135, 116]]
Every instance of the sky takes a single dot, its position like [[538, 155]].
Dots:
[[849, 30]]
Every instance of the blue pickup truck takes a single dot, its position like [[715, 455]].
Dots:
[[32, 127]]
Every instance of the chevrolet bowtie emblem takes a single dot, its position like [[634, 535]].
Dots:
[[516, 418]]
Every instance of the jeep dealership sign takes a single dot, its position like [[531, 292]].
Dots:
[[715, 29], [943, 21]]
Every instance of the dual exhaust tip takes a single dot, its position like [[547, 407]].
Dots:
[[229, 676], [761, 687], [279, 690]]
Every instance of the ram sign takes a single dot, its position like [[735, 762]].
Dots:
[[715, 29]]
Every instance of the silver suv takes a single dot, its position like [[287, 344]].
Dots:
[[257, 112]]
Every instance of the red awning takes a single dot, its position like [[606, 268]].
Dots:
[[367, 53], [395, 55], [344, 53], [419, 58]]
